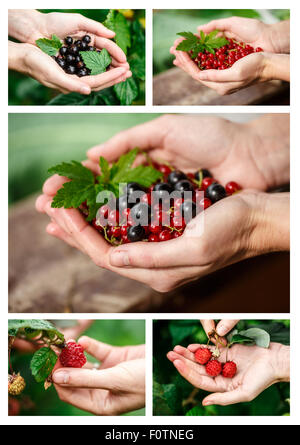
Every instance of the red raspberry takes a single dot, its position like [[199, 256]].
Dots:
[[229, 370], [202, 355], [213, 368], [72, 356]]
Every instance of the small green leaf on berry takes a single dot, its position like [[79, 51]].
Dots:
[[49, 46]]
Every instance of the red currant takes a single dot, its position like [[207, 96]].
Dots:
[[232, 187], [164, 235]]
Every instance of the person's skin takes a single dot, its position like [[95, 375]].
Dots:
[[249, 223], [222, 328], [29, 25], [116, 387], [272, 63], [257, 369]]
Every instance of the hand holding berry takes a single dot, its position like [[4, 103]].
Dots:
[[222, 328], [257, 369]]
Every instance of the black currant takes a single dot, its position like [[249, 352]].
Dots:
[[205, 174], [183, 186], [136, 233], [176, 176], [86, 39], [74, 50], [141, 213], [133, 187], [78, 43], [71, 69], [84, 46], [68, 40], [91, 48], [215, 192], [122, 203], [61, 62], [63, 50], [188, 210], [70, 58], [82, 72]]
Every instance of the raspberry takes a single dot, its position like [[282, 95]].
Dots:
[[16, 384], [202, 355], [213, 368], [72, 356], [229, 370]]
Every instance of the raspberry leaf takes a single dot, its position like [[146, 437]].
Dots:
[[122, 31], [241, 339], [260, 336], [49, 46], [96, 62], [42, 363], [30, 329]]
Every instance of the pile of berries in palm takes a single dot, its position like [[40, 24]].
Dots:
[[225, 56], [162, 218], [213, 366], [69, 58]]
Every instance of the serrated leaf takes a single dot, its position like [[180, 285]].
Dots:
[[124, 163], [70, 99], [145, 176], [105, 170], [49, 46], [110, 20], [137, 67], [137, 39], [73, 194], [212, 34], [188, 35], [73, 170], [28, 329], [96, 62], [122, 31], [260, 336], [127, 91], [202, 35], [42, 363]]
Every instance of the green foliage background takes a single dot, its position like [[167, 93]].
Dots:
[[170, 390], [166, 23], [39, 141], [23, 90], [35, 401]]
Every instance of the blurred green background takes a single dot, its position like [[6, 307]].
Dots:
[[23, 90], [35, 401], [171, 391], [39, 141], [166, 23]]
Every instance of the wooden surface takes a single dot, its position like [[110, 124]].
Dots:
[[175, 87], [45, 275]]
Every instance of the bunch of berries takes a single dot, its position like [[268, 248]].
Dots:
[[161, 212], [225, 56], [69, 58], [72, 355], [213, 367]]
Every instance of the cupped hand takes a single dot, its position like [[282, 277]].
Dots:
[[257, 369], [116, 387], [222, 328]]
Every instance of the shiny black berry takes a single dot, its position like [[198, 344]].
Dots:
[[122, 203], [71, 69], [68, 41], [184, 186], [91, 48], [63, 50], [86, 38], [161, 189], [176, 176], [215, 192], [84, 46], [136, 233], [78, 43], [61, 62], [133, 187], [141, 213], [205, 174], [188, 210], [82, 72], [69, 58], [74, 50]]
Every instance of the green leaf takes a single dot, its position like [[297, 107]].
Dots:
[[105, 170], [122, 31], [137, 67], [124, 163], [212, 34], [49, 46], [127, 91], [96, 62], [261, 337], [73, 194], [238, 338], [137, 39], [110, 20], [195, 411], [166, 400], [73, 170], [145, 176], [42, 363], [70, 99], [188, 36], [29, 329], [207, 42]]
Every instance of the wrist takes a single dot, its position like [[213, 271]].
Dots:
[[17, 56], [279, 36], [280, 362], [276, 67]]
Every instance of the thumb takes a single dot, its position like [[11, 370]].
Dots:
[[224, 326], [86, 378], [95, 348], [97, 28]]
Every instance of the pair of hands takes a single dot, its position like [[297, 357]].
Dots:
[[235, 228], [28, 26], [256, 67], [257, 368], [116, 387]]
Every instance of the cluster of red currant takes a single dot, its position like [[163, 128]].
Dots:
[[156, 215], [225, 56]]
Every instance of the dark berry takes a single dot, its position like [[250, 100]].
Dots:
[[63, 50], [78, 43], [133, 187], [205, 174], [141, 214], [83, 46], [215, 192], [183, 186], [70, 59], [188, 210], [68, 40], [78, 60], [82, 72], [74, 50], [86, 38], [61, 62], [71, 69], [136, 233], [176, 176], [91, 48], [162, 190]]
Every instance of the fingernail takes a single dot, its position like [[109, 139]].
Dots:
[[119, 258], [85, 89], [60, 377], [222, 330], [128, 74]]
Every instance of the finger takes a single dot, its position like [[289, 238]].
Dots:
[[93, 166], [208, 326], [86, 378], [77, 329], [146, 136], [115, 82], [53, 229], [113, 49], [95, 348], [152, 255], [204, 382], [184, 352], [221, 25], [224, 326], [172, 356], [40, 203], [228, 75], [68, 83], [101, 79], [94, 27], [225, 398], [54, 183]]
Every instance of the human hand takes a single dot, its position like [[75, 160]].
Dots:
[[222, 328], [116, 387], [257, 369]]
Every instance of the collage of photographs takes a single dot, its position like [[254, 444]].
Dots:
[[149, 216]]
